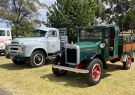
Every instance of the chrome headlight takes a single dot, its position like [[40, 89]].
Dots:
[[102, 45]]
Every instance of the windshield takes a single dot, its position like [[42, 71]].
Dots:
[[91, 33], [38, 33], [2, 33]]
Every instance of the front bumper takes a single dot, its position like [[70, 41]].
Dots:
[[71, 69], [14, 55], [2, 50]]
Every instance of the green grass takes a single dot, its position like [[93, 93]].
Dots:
[[24, 80]]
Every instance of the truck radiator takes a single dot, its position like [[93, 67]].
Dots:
[[71, 56]]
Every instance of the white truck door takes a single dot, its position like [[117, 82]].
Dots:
[[9, 37], [53, 41]]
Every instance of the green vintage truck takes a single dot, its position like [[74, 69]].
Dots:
[[96, 45]]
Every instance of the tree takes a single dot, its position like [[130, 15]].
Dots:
[[19, 12], [116, 12], [71, 14]]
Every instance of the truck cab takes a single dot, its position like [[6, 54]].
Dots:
[[96, 45], [5, 38], [35, 49]]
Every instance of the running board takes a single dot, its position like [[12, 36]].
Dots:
[[71, 69]]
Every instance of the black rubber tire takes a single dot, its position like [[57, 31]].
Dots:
[[58, 72], [18, 62], [33, 59], [90, 80], [125, 65]]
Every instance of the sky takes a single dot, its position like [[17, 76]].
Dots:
[[42, 12]]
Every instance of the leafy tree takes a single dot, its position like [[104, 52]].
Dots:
[[71, 14], [20, 12], [119, 11]]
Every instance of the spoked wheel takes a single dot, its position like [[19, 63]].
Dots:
[[95, 72], [127, 64]]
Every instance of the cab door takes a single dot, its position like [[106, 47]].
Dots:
[[105, 39], [8, 37], [113, 42], [53, 41]]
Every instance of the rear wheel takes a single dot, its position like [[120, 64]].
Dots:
[[18, 62], [127, 63], [37, 59], [95, 72]]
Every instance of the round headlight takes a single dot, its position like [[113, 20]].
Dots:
[[102, 45]]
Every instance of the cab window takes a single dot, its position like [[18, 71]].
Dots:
[[2, 33], [52, 34], [8, 33]]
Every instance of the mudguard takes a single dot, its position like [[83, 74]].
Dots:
[[91, 56], [59, 57], [59, 53]]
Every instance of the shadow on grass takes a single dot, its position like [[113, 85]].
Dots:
[[71, 79], [12, 66], [79, 80], [2, 54]]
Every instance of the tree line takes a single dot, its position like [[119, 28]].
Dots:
[[22, 14]]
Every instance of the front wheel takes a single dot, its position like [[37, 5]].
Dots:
[[37, 59], [58, 72], [95, 72], [127, 63]]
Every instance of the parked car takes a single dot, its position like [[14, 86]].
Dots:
[[96, 45], [5, 38], [36, 49]]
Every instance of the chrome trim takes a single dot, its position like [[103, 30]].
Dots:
[[71, 69], [20, 48], [73, 46]]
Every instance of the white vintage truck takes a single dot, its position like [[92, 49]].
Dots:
[[35, 50], [5, 38]]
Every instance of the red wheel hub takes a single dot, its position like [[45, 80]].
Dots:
[[128, 61], [96, 72]]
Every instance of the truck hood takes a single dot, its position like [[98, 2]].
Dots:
[[87, 48], [28, 40], [88, 44]]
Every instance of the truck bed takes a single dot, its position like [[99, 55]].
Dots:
[[130, 46]]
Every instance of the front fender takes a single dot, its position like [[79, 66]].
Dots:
[[59, 53], [30, 48], [59, 57], [92, 56]]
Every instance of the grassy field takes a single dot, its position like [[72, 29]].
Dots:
[[24, 80]]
